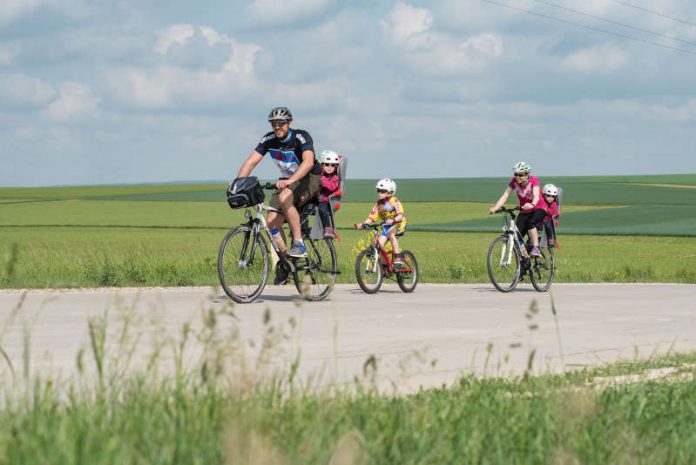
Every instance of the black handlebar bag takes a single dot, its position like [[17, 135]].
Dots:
[[245, 192]]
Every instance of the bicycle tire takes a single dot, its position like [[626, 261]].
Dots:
[[503, 276], [407, 277], [315, 275], [367, 272], [242, 282], [543, 270]]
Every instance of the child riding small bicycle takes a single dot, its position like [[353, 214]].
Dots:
[[389, 210], [532, 213]]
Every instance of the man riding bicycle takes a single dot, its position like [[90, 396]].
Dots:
[[293, 152]]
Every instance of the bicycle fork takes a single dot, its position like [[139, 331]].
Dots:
[[506, 252], [243, 262]]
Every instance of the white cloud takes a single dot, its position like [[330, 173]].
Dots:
[[21, 90], [10, 10], [430, 52], [287, 11], [169, 84], [75, 101], [175, 34], [406, 24], [599, 59], [7, 54]]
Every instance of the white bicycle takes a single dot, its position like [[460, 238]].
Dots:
[[508, 264]]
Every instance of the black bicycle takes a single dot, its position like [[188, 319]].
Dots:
[[244, 261], [508, 264]]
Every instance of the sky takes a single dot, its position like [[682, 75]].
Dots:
[[146, 91]]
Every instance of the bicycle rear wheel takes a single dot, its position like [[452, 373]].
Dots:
[[368, 270], [543, 270], [407, 276], [243, 264], [315, 275], [503, 264]]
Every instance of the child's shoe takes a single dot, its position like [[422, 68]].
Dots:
[[551, 242], [329, 233], [398, 261], [535, 252]]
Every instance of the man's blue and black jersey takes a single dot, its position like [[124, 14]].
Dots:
[[286, 153]]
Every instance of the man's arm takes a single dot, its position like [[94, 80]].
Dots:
[[249, 164]]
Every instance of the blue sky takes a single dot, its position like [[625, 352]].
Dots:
[[125, 91]]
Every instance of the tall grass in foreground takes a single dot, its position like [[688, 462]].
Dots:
[[199, 399]]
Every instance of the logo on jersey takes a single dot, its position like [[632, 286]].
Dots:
[[287, 156]]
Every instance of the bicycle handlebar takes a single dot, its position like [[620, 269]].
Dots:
[[508, 210], [269, 185], [374, 226]]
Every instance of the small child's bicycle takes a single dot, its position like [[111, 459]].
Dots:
[[374, 264], [508, 263]]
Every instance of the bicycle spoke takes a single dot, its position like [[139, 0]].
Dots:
[[503, 264], [243, 265], [316, 274], [368, 271]]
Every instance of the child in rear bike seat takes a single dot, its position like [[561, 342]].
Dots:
[[329, 186], [550, 206], [531, 213], [388, 209]]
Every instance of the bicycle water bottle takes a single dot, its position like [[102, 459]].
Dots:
[[278, 238]]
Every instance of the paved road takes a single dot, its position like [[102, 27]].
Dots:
[[426, 338]]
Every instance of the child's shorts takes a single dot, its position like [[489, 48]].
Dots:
[[400, 231]]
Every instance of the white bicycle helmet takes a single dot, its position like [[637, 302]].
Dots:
[[386, 184], [329, 156], [521, 167], [550, 189], [280, 114]]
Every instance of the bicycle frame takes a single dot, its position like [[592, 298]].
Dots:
[[257, 224], [385, 256], [513, 234]]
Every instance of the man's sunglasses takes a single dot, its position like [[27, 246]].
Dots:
[[330, 164], [278, 124], [520, 175], [382, 191]]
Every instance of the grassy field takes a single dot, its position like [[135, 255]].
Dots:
[[169, 234]]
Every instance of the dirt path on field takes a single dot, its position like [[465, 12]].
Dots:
[[426, 338]]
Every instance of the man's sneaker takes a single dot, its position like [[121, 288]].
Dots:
[[535, 252], [329, 233], [281, 275], [298, 249]]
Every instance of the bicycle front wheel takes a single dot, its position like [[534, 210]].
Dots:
[[543, 270], [407, 275], [503, 264], [243, 264], [315, 275], [368, 270]]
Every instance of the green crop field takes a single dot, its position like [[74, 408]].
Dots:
[[624, 229]]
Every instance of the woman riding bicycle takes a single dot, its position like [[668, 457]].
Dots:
[[527, 189]]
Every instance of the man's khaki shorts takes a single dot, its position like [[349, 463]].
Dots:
[[302, 191]]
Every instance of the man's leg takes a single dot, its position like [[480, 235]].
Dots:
[[275, 222], [286, 198]]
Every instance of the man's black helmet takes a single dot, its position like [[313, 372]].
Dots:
[[280, 113]]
